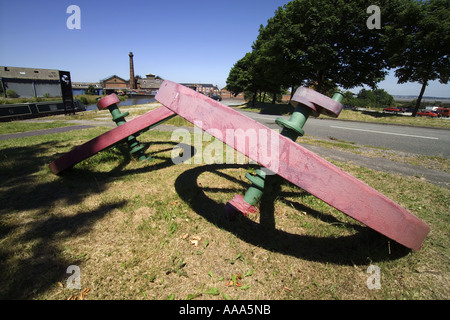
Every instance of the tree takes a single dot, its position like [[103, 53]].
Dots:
[[374, 98], [240, 78], [323, 43], [382, 98], [418, 43], [90, 90], [273, 56]]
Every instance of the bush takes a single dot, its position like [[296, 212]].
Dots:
[[11, 93], [90, 90], [84, 100]]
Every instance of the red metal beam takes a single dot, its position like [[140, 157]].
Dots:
[[299, 166], [109, 138]]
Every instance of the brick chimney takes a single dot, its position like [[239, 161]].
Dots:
[[132, 82]]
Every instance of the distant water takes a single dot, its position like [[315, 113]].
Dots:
[[129, 102]]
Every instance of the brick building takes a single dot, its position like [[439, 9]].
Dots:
[[225, 94], [205, 88], [114, 84]]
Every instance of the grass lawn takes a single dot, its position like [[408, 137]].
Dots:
[[17, 126], [155, 230]]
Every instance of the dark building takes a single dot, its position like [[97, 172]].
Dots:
[[150, 84], [31, 82]]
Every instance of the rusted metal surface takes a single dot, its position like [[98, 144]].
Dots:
[[106, 101], [317, 102], [238, 205], [109, 138], [298, 165]]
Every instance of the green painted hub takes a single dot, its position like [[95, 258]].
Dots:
[[292, 129], [118, 117], [136, 149], [254, 193], [338, 96]]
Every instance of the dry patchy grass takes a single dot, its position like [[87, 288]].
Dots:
[[155, 230]]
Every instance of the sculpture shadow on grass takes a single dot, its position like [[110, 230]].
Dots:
[[31, 259], [355, 249]]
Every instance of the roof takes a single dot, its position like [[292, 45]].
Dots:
[[150, 83], [206, 85], [114, 76], [29, 73], [81, 85]]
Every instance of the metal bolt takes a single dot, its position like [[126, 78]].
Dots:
[[292, 129], [118, 117]]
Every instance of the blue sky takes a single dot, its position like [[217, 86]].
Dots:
[[182, 41]]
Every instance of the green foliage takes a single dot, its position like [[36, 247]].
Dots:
[[319, 44], [418, 43], [84, 100], [324, 44], [11, 93], [374, 98], [241, 77], [378, 98], [90, 90]]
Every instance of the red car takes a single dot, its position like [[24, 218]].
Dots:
[[427, 114], [393, 110]]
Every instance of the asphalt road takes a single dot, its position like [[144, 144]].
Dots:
[[400, 138], [416, 140]]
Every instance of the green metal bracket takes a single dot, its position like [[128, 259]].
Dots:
[[292, 129], [136, 149]]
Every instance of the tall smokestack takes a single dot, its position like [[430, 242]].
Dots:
[[132, 83]]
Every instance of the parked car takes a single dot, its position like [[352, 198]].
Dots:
[[427, 113], [443, 112], [392, 109], [216, 97]]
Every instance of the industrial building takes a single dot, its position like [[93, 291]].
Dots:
[[31, 82]]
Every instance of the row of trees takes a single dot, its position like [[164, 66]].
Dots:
[[327, 44], [369, 98]]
